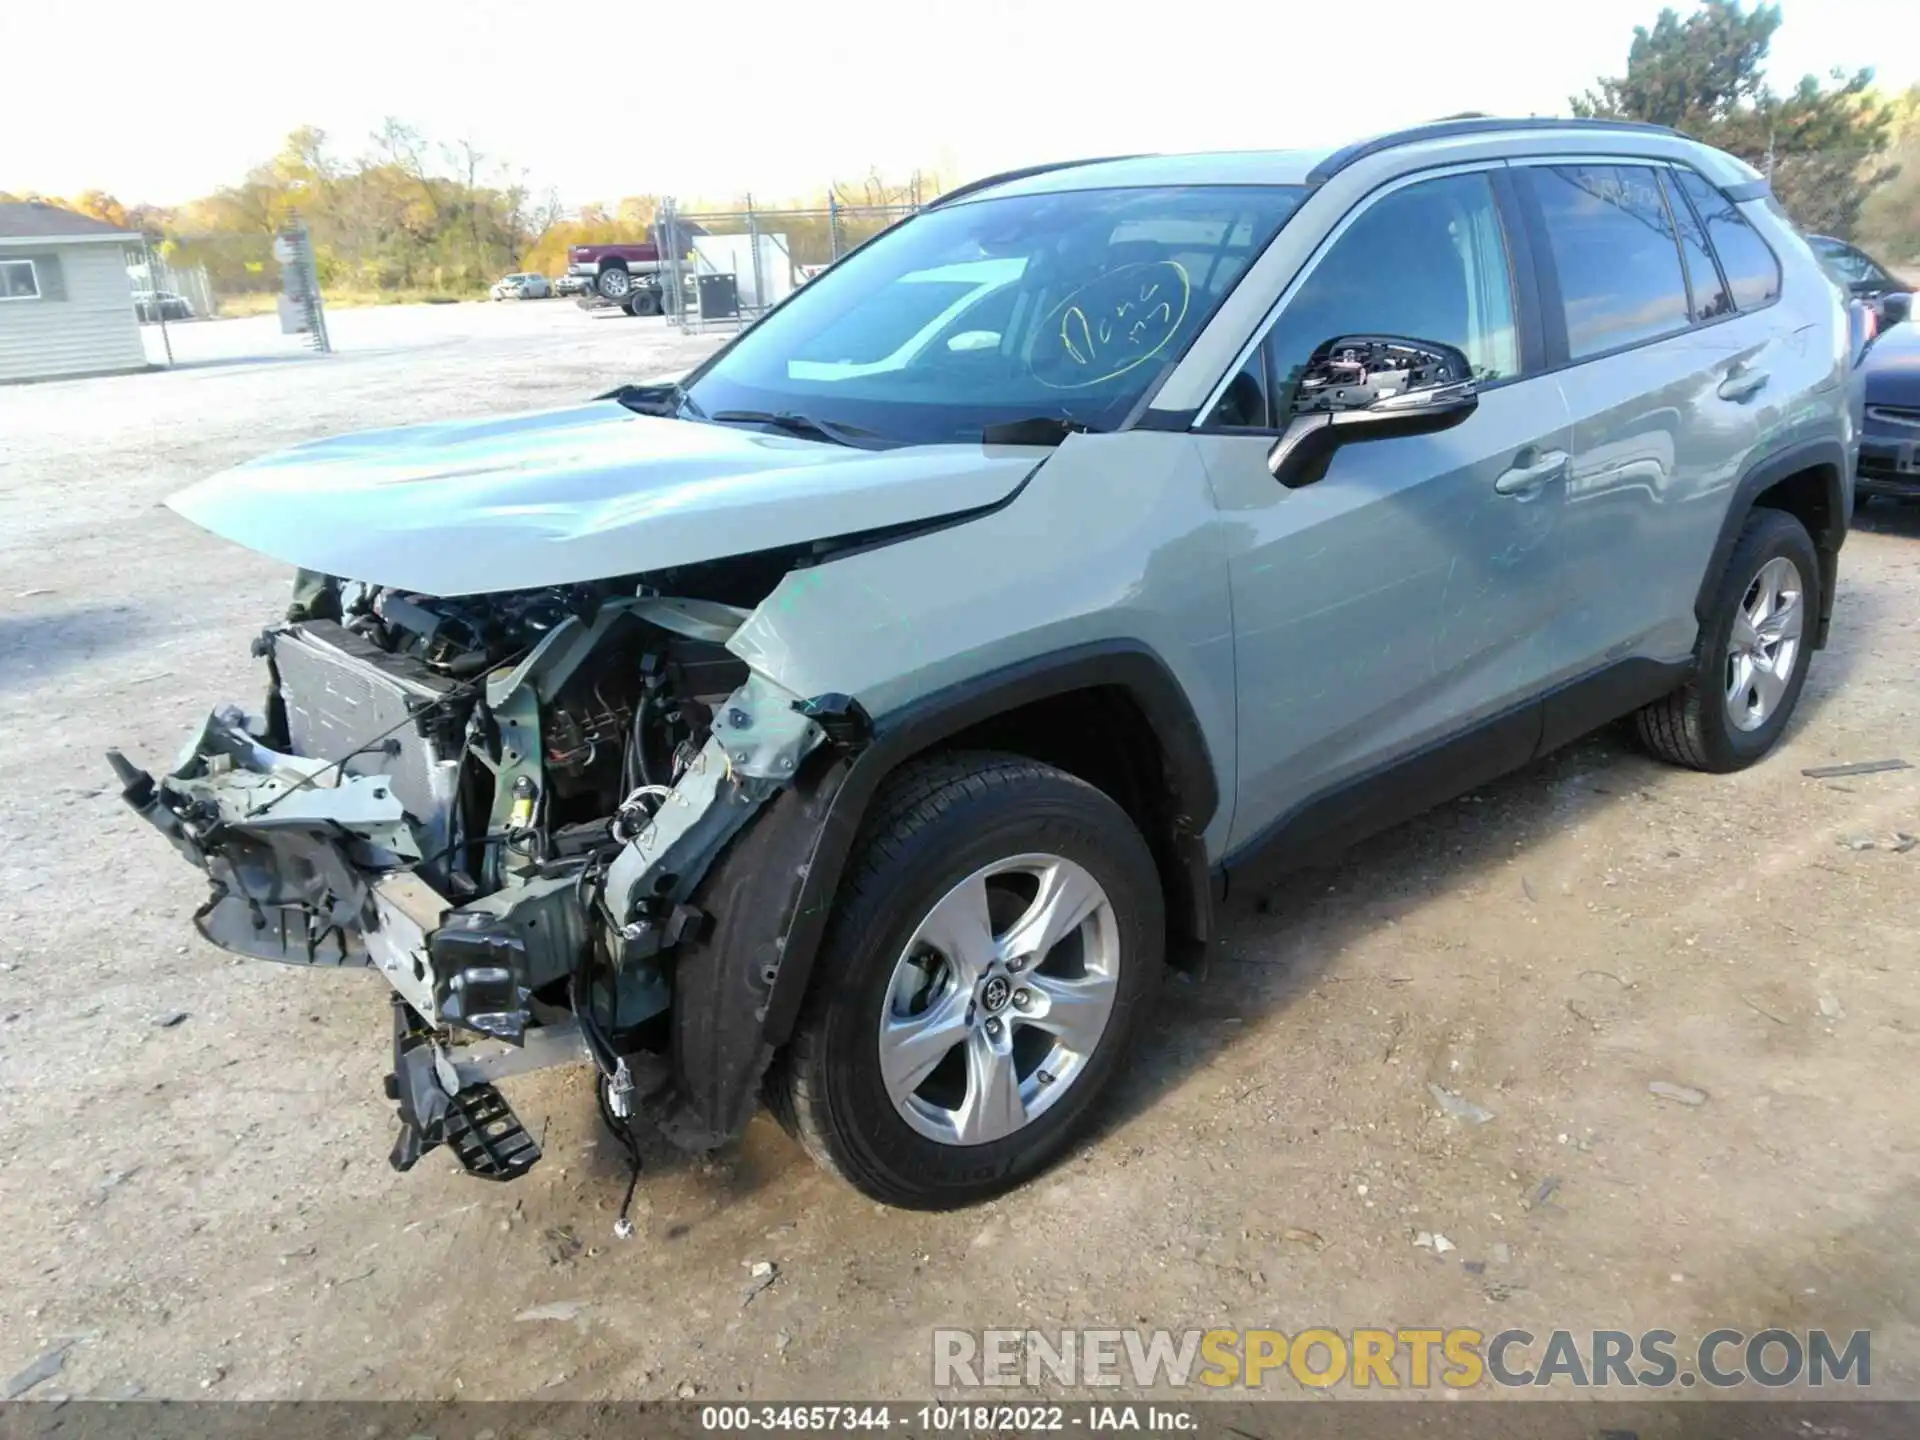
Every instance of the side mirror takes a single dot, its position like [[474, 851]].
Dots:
[[1895, 306], [1369, 387]]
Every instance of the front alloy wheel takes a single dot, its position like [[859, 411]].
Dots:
[[1000, 999], [995, 934]]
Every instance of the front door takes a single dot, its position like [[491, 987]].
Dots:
[[1411, 594]]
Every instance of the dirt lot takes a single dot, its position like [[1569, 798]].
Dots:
[[202, 1205]]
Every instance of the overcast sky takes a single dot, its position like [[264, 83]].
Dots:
[[781, 96]]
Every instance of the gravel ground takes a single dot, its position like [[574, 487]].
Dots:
[[194, 1194]]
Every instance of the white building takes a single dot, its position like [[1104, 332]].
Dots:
[[66, 305]]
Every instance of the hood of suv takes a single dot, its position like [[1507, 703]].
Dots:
[[559, 497]]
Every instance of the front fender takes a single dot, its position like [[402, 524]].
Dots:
[[1108, 569], [841, 787], [1113, 546]]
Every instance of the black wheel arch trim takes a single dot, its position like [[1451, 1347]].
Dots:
[[1829, 459], [850, 778]]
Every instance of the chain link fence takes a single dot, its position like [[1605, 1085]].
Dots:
[[172, 292], [726, 268], [267, 281]]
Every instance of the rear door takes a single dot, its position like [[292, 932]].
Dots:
[[1409, 594], [1664, 359]]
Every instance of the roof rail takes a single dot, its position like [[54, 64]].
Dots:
[[1006, 177], [1466, 125]]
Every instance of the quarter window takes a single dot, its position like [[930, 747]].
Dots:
[[1752, 271], [1425, 262], [19, 280], [1710, 297], [1614, 252]]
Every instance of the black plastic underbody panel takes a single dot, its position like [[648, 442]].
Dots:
[[1356, 809]]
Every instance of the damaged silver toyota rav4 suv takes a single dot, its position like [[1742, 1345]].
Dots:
[[862, 722]]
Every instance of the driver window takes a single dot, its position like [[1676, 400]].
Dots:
[[1426, 262]]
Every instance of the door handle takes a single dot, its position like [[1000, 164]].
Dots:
[[1526, 480], [1742, 384]]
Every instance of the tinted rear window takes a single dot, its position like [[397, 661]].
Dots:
[[1752, 271], [1614, 251]]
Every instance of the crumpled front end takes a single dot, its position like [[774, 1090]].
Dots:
[[292, 848], [508, 806]]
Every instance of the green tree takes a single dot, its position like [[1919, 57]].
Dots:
[[1890, 220], [1824, 146]]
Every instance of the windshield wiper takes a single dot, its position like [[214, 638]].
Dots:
[[669, 400], [1033, 430], [796, 424]]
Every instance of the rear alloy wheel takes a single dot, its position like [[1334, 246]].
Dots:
[[1751, 660], [1763, 651], [998, 929], [613, 283]]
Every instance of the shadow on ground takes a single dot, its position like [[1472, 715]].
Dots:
[[1886, 517], [37, 646], [1268, 959]]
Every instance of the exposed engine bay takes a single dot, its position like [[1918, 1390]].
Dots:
[[507, 804]]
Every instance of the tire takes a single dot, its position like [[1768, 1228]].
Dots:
[[935, 829], [1729, 715], [645, 302], [613, 283]]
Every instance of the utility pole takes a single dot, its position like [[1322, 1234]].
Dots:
[[153, 289]]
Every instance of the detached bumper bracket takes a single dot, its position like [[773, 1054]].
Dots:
[[487, 1137]]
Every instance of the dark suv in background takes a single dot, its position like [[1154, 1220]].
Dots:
[[1865, 278], [1890, 433]]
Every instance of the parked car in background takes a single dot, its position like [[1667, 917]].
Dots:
[[1865, 279], [1890, 437], [571, 284], [152, 305], [523, 287], [864, 721]]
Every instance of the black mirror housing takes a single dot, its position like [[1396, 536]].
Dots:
[[1369, 387], [1895, 307]]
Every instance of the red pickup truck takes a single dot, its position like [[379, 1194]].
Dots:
[[619, 269]]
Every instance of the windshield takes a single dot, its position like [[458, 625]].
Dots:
[[1068, 305]]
